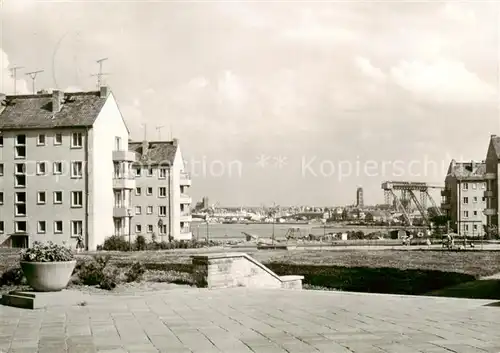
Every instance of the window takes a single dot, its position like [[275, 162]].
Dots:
[[77, 140], [138, 210], [466, 226], [162, 174], [118, 143], [149, 210], [58, 227], [76, 169], [474, 199], [475, 213], [58, 139], [149, 191], [474, 186], [20, 169], [76, 228], [57, 168], [138, 191], [20, 227], [466, 214], [58, 197], [20, 140], [41, 227], [138, 228], [2, 229], [150, 228], [1, 197], [163, 210], [137, 171], [163, 229], [20, 197], [20, 181], [20, 210], [150, 172], [466, 200], [40, 198], [20, 152], [162, 192], [484, 199], [1, 141], [483, 185], [41, 168], [1, 169], [465, 186], [475, 226], [40, 140], [76, 199]]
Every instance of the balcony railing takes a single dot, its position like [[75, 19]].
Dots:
[[185, 230], [123, 181], [128, 156], [185, 179], [185, 199]]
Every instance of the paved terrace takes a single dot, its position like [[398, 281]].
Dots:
[[248, 320]]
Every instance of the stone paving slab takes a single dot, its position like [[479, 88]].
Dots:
[[241, 320]]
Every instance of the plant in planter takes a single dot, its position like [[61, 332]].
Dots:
[[47, 266]]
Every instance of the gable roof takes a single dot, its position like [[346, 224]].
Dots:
[[158, 152], [472, 169], [495, 142], [35, 111]]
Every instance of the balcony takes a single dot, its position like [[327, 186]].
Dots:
[[124, 156], [490, 212], [445, 206], [120, 211], [185, 199], [123, 182], [185, 179], [185, 217], [489, 193], [490, 176], [445, 193], [185, 234]]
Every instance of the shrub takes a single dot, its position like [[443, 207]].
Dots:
[[46, 252], [135, 273], [14, 276], [140, 243], [115, 243], [96, 273]]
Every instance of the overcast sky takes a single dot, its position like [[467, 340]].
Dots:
[[293, 103]]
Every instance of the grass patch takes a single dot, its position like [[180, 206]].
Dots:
[[481, 289]]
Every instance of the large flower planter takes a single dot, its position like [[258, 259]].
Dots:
[[48, 276]]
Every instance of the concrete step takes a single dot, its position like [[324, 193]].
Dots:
[[18, 301]]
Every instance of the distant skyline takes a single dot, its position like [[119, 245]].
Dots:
[[293, 103]]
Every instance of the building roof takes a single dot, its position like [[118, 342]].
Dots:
[[495, 141], [158, 152], [35, 111], [470, 169]]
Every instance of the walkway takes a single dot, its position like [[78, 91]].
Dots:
[[263, 321]]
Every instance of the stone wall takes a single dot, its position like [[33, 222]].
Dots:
[[238, 270]]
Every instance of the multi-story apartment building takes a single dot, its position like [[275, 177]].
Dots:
[[493, 187], [56, 167], [160, 200], [65, 171], [463, 197]]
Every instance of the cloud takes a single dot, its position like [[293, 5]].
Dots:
[[443, 81], [459, 13], [7, 80], [368, 69]]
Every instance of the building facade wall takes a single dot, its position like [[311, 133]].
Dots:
[[50, 182], [108, 126], [470, 214]]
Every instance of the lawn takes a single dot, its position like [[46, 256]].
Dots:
[[415, 272]]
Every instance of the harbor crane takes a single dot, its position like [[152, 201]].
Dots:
[[404, 193]]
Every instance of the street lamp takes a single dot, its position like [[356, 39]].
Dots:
[[129, 213]]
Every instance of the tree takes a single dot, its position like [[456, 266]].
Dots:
[[345, 214], [369, 217]]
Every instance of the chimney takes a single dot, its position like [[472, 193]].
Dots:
[[145, 147], [175, 142], [104, 91], [473, 165], [57, 99], [493, 136]]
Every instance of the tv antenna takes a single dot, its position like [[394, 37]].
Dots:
[[100, 74], [158, 128], [13, 71], [33, 75], [145, 126]]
